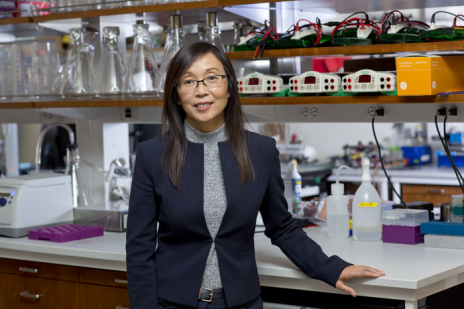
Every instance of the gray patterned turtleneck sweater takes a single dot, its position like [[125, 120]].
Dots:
[[214, 195]]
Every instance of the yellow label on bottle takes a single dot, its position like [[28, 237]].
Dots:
[[367, 204]]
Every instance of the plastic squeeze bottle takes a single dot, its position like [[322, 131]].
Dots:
[[292, 183], [338, 213], [367, 209]]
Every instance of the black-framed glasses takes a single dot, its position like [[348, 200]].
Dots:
[[211, 82]]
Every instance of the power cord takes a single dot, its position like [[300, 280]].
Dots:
[[443, 112], [381, 112]]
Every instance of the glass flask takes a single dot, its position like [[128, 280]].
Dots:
[[201, 31], [111, 69], [239, 24], [143, 74], [77, 77], [176, 41], [213, 35]]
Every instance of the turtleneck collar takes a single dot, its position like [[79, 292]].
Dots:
[[196, 136]]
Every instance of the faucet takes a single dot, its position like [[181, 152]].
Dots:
[[38, 150]]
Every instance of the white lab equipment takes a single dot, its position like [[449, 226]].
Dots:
[[257, 83], [369, 81], [315, 82], [367, 208], [34, 201]]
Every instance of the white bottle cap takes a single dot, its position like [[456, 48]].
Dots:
[[366, 165], [338, 189]]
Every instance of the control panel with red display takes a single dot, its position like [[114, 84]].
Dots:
[[315, 82], [257, 83], [369, 81]]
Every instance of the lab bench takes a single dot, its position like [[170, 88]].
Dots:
[[427, 183], [98, 264]]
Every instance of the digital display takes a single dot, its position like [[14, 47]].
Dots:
[[4, 194], [364, 78], [253, 81], [310, 80]]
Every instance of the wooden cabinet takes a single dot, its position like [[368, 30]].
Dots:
[[432, 194], [26, 284], [102, 297], [17, 291]]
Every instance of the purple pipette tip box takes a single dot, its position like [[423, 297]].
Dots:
[[67, 232], [409, 235]]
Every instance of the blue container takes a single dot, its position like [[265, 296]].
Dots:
[[417, 155], [443, 160], [442, 228], [456, 138]]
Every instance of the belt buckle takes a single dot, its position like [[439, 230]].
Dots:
[[211, 296]]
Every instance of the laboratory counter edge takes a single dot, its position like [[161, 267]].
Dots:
[[412, 271]]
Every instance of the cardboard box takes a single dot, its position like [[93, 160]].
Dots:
[[429, 74]]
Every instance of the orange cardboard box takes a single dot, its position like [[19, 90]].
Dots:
[[429, 74]]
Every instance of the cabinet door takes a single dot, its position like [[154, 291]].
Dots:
[[103, 277], [431, 194], [28, 292], [103, 297], [37, 269]]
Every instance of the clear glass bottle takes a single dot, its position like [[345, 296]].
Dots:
[[213, 35], [112, 68], [143, 74], [174, 43], [201, 31], [44, 67], [77, 77]]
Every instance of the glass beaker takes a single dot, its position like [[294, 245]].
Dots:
[[143, 74], [213, 35], [111, 69], [44, 67], [176, 41], [6, 69], [201, 31], [78, 78]]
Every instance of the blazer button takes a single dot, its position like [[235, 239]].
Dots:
[[213, 239]]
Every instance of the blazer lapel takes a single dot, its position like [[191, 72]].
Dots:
[[186, 205]]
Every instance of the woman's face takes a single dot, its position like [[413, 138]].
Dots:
[[204, 107]]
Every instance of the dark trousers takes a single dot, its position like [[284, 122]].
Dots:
[[219, 303]]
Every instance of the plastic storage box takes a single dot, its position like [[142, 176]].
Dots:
[[443, 160], [403, 226], [417, 155], [443, 228]]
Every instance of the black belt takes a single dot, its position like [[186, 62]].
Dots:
[[209, 294]]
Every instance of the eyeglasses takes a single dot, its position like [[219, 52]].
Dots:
[[210, 82]]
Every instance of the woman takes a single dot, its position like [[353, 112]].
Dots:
[[204, 179]]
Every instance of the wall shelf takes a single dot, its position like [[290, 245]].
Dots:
[[128, 10], [352, 50], [16, 20], [250, 101]]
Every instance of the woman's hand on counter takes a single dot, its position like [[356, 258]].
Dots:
[[356, 271]]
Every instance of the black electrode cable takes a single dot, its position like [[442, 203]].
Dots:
[[448, 154], [367, 16], [433, 16], [381, 162], [456, 169]]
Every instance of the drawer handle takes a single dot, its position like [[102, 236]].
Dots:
[[437, 191], [29, 270], [27, 295], [121, 307], [120, 281]]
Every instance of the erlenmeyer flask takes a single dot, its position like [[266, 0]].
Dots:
[[176, 41], [238, 25], [111, 69], [213, 35], [78, 77], [201, 31], [143, 74]]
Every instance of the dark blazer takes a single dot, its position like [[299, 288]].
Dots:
[[174, 271]]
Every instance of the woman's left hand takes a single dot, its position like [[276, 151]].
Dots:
[[356, 271]]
